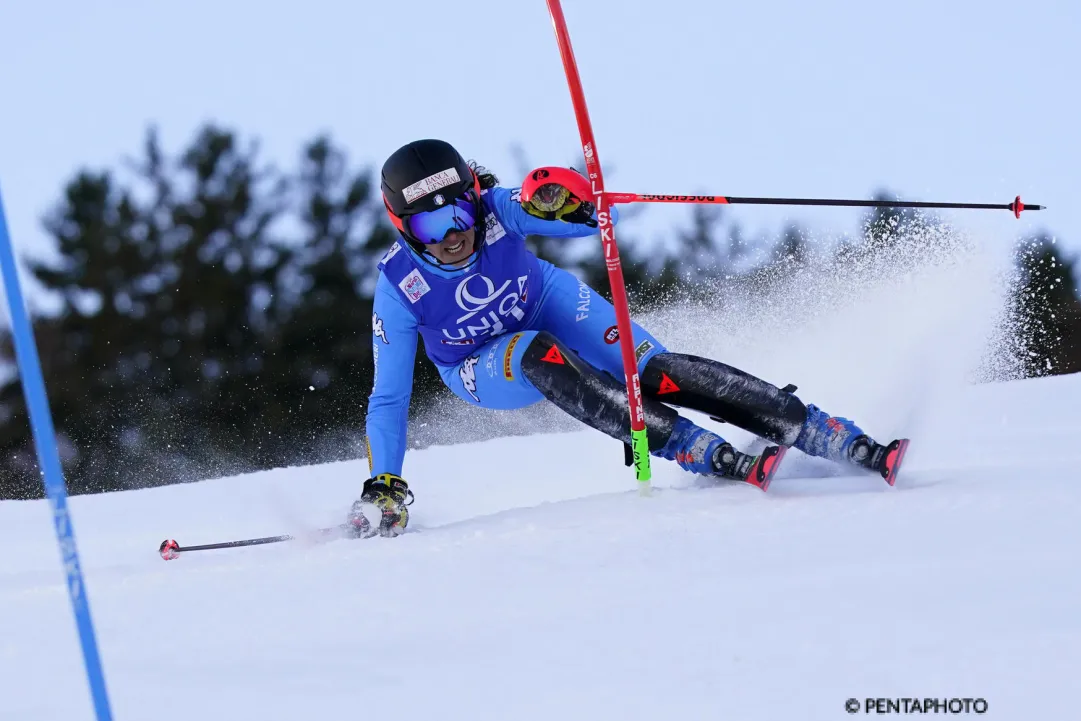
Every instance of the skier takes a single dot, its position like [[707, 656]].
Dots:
[[506, 330]]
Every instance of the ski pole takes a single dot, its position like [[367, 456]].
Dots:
[[1016, 206], [170, 549]]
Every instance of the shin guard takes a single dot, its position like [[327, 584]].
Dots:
[[596, 399]]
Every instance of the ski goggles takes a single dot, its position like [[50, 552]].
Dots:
[[432, 227]]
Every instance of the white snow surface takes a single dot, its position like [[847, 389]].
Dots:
[[547, 593], [540, 585]]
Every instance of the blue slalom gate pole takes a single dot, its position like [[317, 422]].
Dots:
[[41, 423]]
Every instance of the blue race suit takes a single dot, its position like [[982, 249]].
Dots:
[[476, 322]]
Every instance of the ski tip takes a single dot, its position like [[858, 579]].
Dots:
[[169, 549], [766, 467], [895, 455]]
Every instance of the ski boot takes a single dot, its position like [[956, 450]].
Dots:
[[700, 451], [842, 441], [383, 497], [880, 459]]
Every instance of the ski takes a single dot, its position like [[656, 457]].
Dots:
[[891, 464], [883, 460], [765, 467], [171, 550]]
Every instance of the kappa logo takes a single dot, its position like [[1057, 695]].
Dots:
[[414, 286], [377, 329], [468, 373]]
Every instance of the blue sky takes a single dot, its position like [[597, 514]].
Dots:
[[955, 100]]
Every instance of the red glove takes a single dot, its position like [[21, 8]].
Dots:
[[553, 193]]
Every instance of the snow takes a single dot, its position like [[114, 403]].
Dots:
[[544, 594], [541, 586]]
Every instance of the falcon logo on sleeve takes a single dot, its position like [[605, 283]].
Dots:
[[377, 329]]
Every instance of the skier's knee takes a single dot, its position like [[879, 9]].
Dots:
[[726, 394], [557, 371], [596, 398], [544, 338]]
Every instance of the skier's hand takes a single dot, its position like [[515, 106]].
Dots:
[[553, 193], [389, 495]]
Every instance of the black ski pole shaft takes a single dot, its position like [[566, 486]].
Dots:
[[1016, 207], [879, 203], [170, 549]]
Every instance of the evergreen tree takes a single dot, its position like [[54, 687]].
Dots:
[[192, 326], [698, 247]]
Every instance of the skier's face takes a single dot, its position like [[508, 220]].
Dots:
[[456, 247]]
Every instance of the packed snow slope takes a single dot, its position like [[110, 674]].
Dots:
[[539, 585], [544, 587]]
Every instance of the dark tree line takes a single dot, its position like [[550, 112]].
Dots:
[[215, 317], [215, 311]]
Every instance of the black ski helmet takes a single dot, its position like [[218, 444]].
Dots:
[[422, 176]]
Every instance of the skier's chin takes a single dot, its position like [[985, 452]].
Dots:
[[456, 250]]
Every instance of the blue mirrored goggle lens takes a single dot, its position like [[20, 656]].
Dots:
[[433, 226]]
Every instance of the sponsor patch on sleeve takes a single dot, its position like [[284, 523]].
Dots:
[[493, 229], [643, 348]]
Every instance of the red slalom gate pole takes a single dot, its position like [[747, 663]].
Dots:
[[639, 443]]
